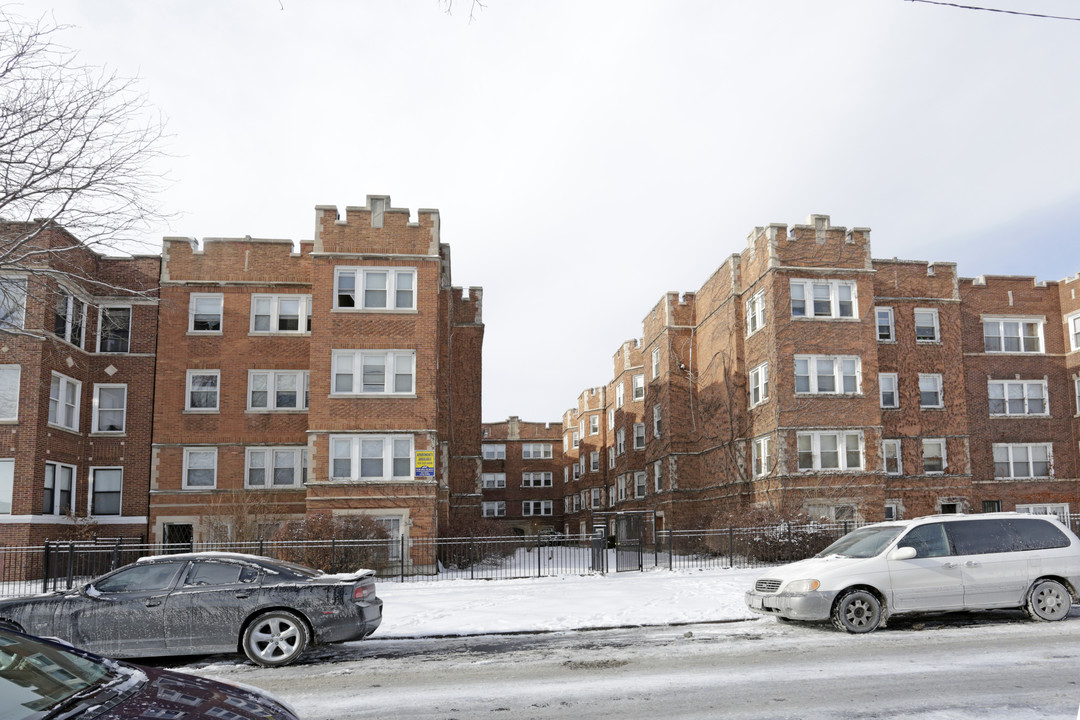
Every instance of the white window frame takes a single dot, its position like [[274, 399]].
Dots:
[[620, 395], [1072, 329], [639, 436], [889, 383], [944, 460], [10, 387], [637, 384], [842, 439], [886, 313], [1007, 387], [493, 508], [1020, 320], [219, 299], [303, 320], [936, 379], [362, 276], [12, 302], [611, 496], [302, 379], [755, 313], [640, 486], [95, 425], [656, 418], [74, 318], [355, 446], [575, 438], [759, 385], [59, 403], [1076, 383], [838, 375], [270, 466], [209, 451], [596, 498], [810, 308], [594, 461], [761, 456], [1012, 453], [354, 359], [189, 388], [620, 441], [621, 481], [611, 419], [94, 491], [896, 446], [1058, 510], [536, 479], [55, 508], [935, 324], [536, 451], [493, 451], [7, 485], [655, 363], [531, 508], [611, 457], [594, 424], [658, 479], [102, 311], [492, 480]]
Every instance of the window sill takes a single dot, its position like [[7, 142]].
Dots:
[[275, 488], [932, 408], [275, 411], [361, 396], [279, 333], [820, 318], [108, 434], [375, 311], [190, 411], [927, 342], [205, 333]]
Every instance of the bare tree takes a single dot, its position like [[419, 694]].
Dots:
[[78, 146]]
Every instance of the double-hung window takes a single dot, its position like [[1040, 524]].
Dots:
[[493, 451], [828, 374], [280, 314], [927, 327], [64, 397], [200, 468], [890, 452], [536, 507], [59, 496], [106, 487], [830, 450], [492, 481], [762, 456], [886, 324], [639, 436], [205, 312], [277, 390], [594, 461], [70, 318], [824, 299], [535, 479], [536, 451], [275, 467], [933, 456], [1072, 321], [114, 329], [759, 384], [493, 508], [575, 438], [755, 313], [619, 395], [371, 457], [1023, 460], [611, 458], [110, 408], [620, 441], [203, 390], [611, 418], [595, 498], [656, 421], [10, 381], [639, 484], [373, 372], [887, 387], [930, 395], [375, 288], [638, 382], [621, 480], [1012, 335], [657, 473], [594, 424], [656, 361], [12, 302], [1017, 397]]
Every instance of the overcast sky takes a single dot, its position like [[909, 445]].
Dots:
[[587, 157]]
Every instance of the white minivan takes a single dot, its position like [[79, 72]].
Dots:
[[937, 563]]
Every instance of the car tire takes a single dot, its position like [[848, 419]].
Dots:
[[857, 611], [275, 638], [1048, 600]]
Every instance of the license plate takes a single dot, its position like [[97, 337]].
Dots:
[[756, 602]]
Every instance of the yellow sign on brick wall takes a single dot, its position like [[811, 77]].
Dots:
[[425, 463]]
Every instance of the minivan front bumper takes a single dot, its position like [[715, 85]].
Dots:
[[815, 605]]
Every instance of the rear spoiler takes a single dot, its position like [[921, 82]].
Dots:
[[346, 577]]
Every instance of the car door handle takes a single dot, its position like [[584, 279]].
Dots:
[[242, 595], [949, 565], [971, 563], [153, 602]]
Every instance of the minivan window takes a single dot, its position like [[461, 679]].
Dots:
[[928, 540], [864, 542], [999, 535]]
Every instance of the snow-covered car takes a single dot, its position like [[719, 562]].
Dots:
[[929, 564], [201, 603], [42, 679]]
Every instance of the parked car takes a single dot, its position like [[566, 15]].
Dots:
[[41, 679], [205, 603], [938, 563]]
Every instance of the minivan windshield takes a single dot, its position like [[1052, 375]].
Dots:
[[864, 542]]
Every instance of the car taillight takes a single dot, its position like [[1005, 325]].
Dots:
[[363, 592]]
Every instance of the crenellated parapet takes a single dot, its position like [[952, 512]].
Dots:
[[235, 260], [468, 305], [376, 229]]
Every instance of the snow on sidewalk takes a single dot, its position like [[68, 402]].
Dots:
[[567, 602]]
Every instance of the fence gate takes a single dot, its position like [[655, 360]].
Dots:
[[629, 543]]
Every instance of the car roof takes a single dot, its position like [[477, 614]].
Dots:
[[961, 517]]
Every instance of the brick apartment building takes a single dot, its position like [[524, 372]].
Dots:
[[341, 377], [77, 358], [805, 376], [521, 476]]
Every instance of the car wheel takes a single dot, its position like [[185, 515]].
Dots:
[[1048, 600], [857, 611], [275, 638]]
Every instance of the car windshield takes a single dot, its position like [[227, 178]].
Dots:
[[35, 677], [864, 542]]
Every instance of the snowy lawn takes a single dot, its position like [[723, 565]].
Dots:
[[568, 602]]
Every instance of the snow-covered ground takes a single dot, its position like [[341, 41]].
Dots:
[[569, 602]]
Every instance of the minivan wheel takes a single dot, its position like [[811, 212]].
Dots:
[[857, 611], [1048, 600], [275, 638]]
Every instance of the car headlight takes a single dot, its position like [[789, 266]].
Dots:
[[802, 586]]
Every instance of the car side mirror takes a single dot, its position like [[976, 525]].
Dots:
[[903, 553]]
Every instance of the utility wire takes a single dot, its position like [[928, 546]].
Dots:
[[997, 10]]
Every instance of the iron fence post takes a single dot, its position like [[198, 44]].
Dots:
[[45, 560], [538, 553], [401, 555], [789, 541], [71, 564], [115, 561], [333, 553], [731, 546], [472, 559]]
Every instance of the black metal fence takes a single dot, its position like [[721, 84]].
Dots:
[[63, 565]]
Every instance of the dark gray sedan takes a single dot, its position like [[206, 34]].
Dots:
[[205, 603]]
